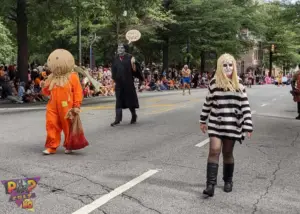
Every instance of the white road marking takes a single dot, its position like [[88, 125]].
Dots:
[[263, 105], [203, 143], [274, 99], [104, 199], [275, 116], [253, 112]]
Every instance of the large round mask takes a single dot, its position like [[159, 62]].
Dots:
[[60, 62]]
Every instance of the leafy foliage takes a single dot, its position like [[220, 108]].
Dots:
[[204, 25], [7, 47], [281, 31]]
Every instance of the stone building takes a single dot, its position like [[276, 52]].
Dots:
[[252, 59]]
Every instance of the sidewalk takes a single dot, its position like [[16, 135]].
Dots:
[[7, 107]]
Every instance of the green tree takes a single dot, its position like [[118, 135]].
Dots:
[[209, 26], [17, 12], [282, 31], [107, 21], [7, 47]]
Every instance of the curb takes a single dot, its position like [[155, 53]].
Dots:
[[20, 110]]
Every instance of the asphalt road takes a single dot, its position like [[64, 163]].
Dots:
[[155, 166]]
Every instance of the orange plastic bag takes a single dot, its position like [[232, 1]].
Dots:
[[77, 139]]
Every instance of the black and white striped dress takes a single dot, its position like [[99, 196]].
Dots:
[[228, 113]]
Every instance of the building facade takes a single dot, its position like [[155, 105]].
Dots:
[[252, 59]]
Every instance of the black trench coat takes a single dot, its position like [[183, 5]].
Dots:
[[123, 76]]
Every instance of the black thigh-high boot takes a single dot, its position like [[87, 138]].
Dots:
[[118, 119], [227, 176], [133, 116], [211, 176], [298, 107]]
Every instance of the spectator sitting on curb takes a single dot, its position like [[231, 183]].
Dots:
[[6, 88]]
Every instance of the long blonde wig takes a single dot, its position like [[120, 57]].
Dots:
[[222, 81], [61, 63]]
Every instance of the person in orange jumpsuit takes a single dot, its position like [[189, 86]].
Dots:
[[65, 91]]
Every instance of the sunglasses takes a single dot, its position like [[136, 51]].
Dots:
[[225, 65]]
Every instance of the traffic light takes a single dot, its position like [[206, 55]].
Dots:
[[273, 48]]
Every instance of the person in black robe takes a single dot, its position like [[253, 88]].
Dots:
[[124, 69]]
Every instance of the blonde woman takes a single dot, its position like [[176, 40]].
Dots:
[[229, 114]]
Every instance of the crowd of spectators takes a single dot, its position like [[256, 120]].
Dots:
[[155, 80], [17, 91], [103, 76]]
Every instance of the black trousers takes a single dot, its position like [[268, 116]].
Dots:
[[119, 113], [298, 107]]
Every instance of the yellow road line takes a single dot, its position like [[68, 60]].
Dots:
[[160, 105], [153, 99], [98, 107], [159, 111], [165, 110], [113, 106]]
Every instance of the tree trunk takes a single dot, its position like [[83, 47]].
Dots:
[[202, 61], [22, 38], [166, 55]]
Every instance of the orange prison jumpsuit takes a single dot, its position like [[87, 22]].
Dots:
[[62, 99]]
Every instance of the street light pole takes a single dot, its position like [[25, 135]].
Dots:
[[188, 51], [118, 28], [271, 66], [118, 24], [79, 42], [92, 39], [91, 55], [79, 35]]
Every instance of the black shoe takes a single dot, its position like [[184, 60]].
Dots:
[[298, 118], [115, 123], [211, 175], [227, 177], [228, 187], [133, 119]]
